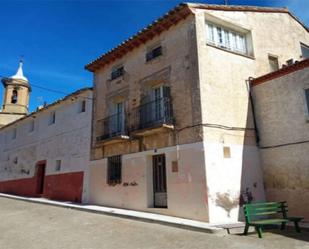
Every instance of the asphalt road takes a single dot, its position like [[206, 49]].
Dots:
[[25, 225]]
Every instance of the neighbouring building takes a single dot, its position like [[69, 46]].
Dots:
[[15, 97], [172, 128], [281, 107], [46, 153]]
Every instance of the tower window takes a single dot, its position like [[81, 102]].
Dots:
[[14, 96]]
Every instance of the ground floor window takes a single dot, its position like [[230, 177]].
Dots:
[[114, 170]]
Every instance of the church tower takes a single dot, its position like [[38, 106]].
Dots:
[[15, 98]]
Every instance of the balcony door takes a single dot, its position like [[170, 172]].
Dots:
[[157, 103], [117, 118]]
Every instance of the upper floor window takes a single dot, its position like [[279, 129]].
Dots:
[[52, 118], [304, 50], [307, 99], [154, 53], [14, 133], [273, 63], [31, 126], [117, 118], [82, 106], [117, 72], [227, 39], [14, 97]]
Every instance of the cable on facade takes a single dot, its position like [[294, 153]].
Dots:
[[218, 126], [282, 145]]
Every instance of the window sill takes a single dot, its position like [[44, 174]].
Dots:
[[117, 80], [114, 183], [158, 58], [230, 51]]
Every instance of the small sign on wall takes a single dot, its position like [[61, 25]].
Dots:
[[174, 166], [226, 152]]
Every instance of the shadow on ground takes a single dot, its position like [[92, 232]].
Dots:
[[288, 233]]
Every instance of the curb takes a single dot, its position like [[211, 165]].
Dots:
[[128, 214]]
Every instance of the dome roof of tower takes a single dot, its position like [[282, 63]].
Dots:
[[19, 74]]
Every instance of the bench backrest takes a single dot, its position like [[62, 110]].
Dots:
[[255, 211]]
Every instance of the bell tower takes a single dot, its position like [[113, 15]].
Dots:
[[16, 97]]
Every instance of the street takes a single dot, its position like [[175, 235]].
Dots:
[[35, 226]]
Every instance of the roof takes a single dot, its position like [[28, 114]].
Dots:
[[20, 74], [18, 78], [59, 101], [171, 18], [281, 72]]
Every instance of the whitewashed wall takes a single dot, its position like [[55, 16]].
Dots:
[[67, 140]]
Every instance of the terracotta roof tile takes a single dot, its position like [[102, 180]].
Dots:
[[165, 22], [281, 72]]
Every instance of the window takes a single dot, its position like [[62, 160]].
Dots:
[[304, 50], [14, 133], [82, 106], [14, 97], [58, 165], [228, 39], [154, 53], [31, 126], [114, 170], [273, 63], [117, 118], [117, 72], [158, 101], [307, 99], [52, 118]]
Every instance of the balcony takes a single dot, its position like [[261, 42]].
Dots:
[[152, 117], [112, 129]]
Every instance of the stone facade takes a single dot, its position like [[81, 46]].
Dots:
[[281, 110], [212, 160]]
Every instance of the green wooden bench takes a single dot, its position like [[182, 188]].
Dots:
[[268, 213]]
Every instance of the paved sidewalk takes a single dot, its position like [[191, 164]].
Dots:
[[151, 217]]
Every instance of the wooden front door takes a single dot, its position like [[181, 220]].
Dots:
[[159, 181], [40, 176]]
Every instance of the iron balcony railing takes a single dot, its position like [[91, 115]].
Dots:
[[112, 126], [153, 113]]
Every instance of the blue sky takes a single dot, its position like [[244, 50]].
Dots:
[[57, 38]]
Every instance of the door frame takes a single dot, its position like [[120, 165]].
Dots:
[[40, 178], [154, 181]]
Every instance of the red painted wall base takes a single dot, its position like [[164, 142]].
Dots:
[[64, 187], [25, 187]]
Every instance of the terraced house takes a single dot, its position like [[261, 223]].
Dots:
[[172, 129], [45, 153]]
